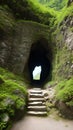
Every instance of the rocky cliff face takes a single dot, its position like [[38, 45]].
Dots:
[[64, 65], [64, 56], [15, 50], [16, 43], [5, 49]]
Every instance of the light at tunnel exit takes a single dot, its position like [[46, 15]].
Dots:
[[37, 73]]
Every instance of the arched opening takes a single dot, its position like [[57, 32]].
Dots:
[[40, 57]]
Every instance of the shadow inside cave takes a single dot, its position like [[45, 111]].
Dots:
[[40, 55]]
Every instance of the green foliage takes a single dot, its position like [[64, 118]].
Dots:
[[13, 95], [7, 76], [65, 12], [64, 92], [55, 4], [2, 125], [29, 10]]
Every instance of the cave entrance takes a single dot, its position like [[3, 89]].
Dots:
[[40, 62]]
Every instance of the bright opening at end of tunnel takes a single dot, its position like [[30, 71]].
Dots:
[[37, 73]]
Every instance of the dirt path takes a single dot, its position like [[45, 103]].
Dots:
[[42, 123]]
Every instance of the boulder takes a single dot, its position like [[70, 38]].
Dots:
[[65, 110]]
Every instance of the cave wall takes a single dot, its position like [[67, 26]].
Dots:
[[6, 42], [15, 49], [63, 65]]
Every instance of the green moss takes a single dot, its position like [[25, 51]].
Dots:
[[63, 61], [64, 92], [29, 10], [13, 95], [55, 4], [66, 12], [6, 75]]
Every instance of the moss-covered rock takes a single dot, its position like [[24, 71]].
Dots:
[[13, 96], [6, 22], [55, 4], [29, 10], [64, 97], [63, 36]]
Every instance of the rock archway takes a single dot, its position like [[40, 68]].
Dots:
[[29, 46], [40, 55]]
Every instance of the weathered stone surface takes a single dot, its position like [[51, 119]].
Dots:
[[36, 104], [64, 41], [69, 40], [65, 110], [25, 35], [15, 51]]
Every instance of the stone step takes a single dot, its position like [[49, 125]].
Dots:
[[40, 103], [35, 91], [38, 113], [36, 102], [35, 99], [37, 108], [35, 95], [38, 92]]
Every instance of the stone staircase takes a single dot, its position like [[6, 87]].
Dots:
[[36, 102]]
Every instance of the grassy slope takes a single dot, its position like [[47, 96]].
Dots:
[[11, 84]]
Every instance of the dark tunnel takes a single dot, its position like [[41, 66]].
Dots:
[[40, 55]]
